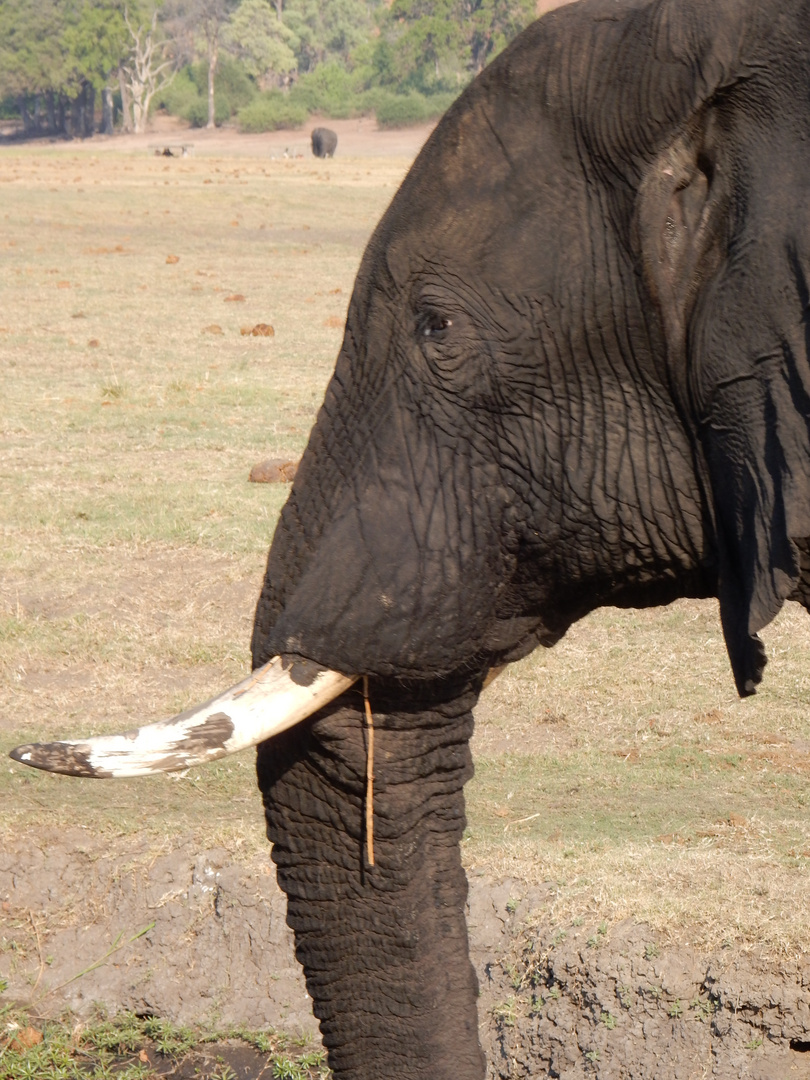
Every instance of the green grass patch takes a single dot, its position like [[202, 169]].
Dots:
[[130, 1047]]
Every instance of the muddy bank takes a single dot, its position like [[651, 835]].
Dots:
[[218, 946], [616, 1002], [582, 1001]]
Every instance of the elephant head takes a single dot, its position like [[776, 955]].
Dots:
[[574, 373]]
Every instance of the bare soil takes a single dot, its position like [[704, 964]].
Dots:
[[357, 138], [618, 1001]]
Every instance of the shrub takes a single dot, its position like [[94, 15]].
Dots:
[[9, 108], [179, 96], [197, 112], [232, 82], [438, 104], [271, 111], [187, 94], [402, 110], [328, 83], [371, 100], [331, 90]]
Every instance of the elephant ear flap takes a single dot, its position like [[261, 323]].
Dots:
[[758, 452], [670, 58]]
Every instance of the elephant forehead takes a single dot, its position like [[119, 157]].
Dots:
[[485, 195]]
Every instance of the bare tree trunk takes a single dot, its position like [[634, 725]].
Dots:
[[279, 9], [126, 101], [145, 73], [78, 114], [22, 105], [106, 111], [213, 56], [50, 112], [89, 111]]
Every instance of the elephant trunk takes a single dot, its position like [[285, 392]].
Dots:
[[383, 947]]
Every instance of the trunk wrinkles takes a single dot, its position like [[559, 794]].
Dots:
[[384, 947]]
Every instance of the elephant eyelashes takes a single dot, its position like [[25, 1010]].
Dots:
[[443, 347], [433, 326]]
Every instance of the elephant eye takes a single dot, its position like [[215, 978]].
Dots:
[[432, 326]]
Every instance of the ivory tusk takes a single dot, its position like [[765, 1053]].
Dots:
[[273, 698]]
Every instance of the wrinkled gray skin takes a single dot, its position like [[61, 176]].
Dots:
[[574, 373], [324, 142]]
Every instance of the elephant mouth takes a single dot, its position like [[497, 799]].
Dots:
[[276, 696]]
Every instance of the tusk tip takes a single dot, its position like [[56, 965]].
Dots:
[[71, 759], [25, 754]]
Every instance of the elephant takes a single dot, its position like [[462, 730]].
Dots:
[[324, 142], [574, 373]]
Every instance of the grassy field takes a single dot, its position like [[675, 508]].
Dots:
[[620, 767]]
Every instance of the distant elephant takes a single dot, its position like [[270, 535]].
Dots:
[[324, 142], [574, 373]]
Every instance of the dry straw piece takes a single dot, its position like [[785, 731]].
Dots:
[[369, 774]]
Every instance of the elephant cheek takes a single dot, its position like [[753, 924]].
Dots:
[[383, 947]]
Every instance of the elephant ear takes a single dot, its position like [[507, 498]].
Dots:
[[730, 367], [756, 437]]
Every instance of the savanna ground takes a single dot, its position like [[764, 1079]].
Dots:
[[638, 841]]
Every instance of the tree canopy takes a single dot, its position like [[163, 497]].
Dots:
[[56, 45], [67, 48]]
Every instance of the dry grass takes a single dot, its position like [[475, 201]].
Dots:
[[620, 766], [133, 547]]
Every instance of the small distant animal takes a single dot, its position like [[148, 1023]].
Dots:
[[324, 142]]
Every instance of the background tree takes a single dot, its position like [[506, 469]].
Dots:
[[257, 35], [338, 57], [59, 54], [492, 25], [326, 31], [199, 27], [95, 41], [442, 43], [149, 66], [31, 52]]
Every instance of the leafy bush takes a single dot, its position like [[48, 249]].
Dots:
[[438, 104], [9, 108], [326, 82], [232, 82], [179, 96], [402, 110], [271, 111], [197, 113], [187, 94], [331, 90]]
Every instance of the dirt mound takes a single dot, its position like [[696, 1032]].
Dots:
[[194, 936], [617, 1002], [218, 945]]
